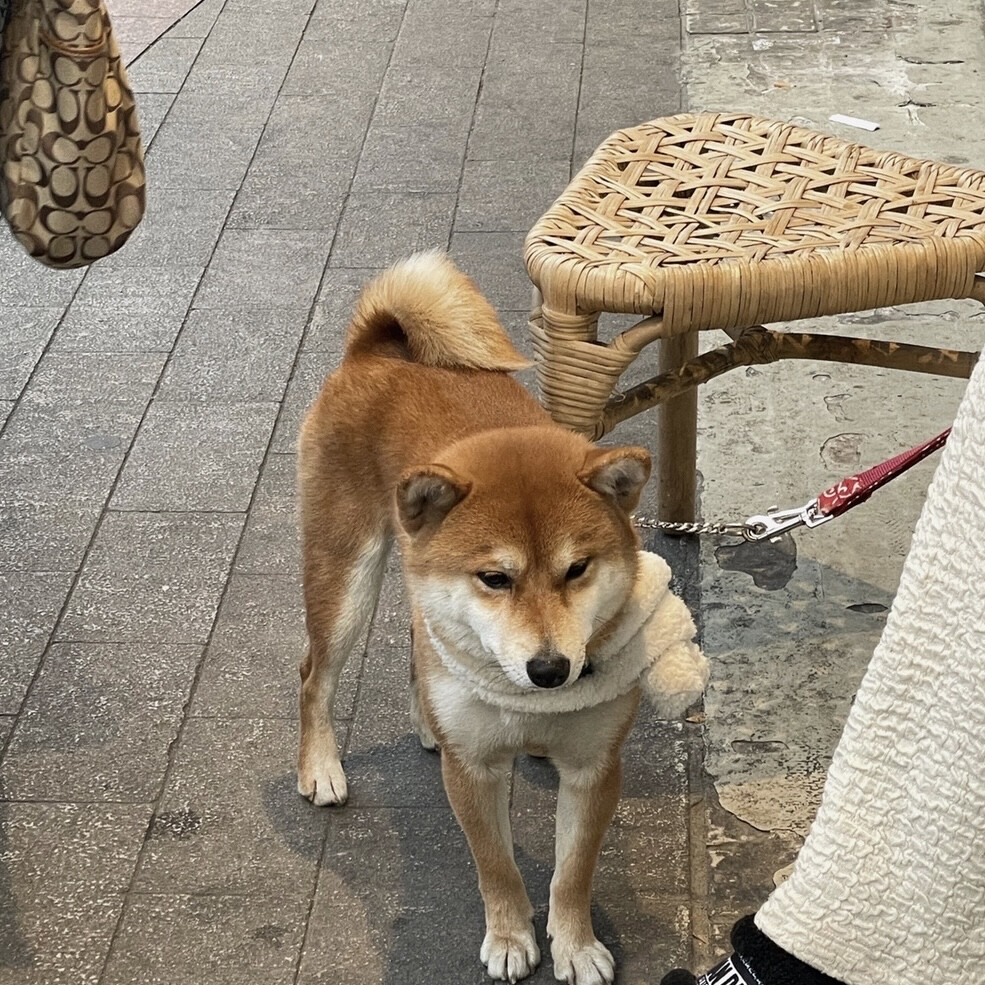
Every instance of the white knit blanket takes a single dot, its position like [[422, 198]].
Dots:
[[650, 645]]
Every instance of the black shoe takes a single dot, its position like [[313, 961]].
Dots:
[[757, 961]]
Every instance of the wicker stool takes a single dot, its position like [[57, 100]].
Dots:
[[729, 222]]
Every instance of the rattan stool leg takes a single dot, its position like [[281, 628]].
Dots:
[[576, 375], [677, 436]]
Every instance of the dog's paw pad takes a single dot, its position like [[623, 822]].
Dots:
[[324, 785], [588, 965], [510, 957]]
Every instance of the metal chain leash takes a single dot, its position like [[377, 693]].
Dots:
[[700, 527]]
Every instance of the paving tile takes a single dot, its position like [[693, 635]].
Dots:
[[152, 108], [500, 196], [231, 819], [265, 268], [162, 8], [495, 263], [109, 285], [180, 229], [309, 375], [163, 66], [110, 378], [63, 871], [198, 21], [318, 130], [243, 56], [291, 184], [51, 445], [66, 441], [379, 228], [271, 543], [207, 940], [153, 577], [434, 73], [44, 537], [413, 157], [715, 16], [25, 334], [133, 325], [29, 284], [239, 356], [776, 16], [620, 20], [349, 74], [196, 457], [351, 22], [98, 722], [251, 668], [610, 99], [30, 603], [340, 289], [134, 34], [527, 107], [200, 145], [562, 22], [389, 880]]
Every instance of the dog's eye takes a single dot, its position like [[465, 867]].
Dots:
[[577, 569], [494, 579]]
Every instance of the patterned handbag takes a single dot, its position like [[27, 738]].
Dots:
[[72, 178]]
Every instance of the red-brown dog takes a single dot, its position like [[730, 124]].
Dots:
[[518, 553]]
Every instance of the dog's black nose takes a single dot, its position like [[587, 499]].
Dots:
[[548, 671]]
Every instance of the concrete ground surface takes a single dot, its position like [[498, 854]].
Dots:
[[150, 618]]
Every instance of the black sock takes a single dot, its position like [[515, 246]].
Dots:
[[756, 961]]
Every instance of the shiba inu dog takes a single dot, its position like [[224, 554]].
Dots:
[[520, 559]]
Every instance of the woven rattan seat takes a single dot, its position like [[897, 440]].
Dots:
[[715, 221]]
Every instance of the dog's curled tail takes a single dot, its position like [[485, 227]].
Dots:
[[426, 304]]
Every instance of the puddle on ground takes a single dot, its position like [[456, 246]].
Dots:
[[770, 563], [869, 607]]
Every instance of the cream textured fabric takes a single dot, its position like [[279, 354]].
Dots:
[[651, 646], [889, 888]]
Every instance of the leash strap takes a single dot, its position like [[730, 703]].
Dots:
[[858, 488], [840, 497]]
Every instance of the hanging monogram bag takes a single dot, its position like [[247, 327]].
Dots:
[[71, 160]]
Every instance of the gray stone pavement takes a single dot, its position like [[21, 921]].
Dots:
[[150, 619]]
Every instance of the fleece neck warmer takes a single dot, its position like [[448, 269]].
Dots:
[[649, 644]]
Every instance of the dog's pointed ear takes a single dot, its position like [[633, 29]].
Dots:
[[426, 495], [618, 474]]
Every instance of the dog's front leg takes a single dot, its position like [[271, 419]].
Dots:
[[479, 796], [587, 799]]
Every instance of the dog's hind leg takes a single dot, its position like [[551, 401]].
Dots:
[[479, 796], [341, 588]]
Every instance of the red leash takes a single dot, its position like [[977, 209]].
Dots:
[[841, 497]]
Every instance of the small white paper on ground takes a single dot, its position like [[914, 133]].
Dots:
[[854, 121]]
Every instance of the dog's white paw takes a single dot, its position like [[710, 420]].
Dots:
[[323, 783], [590, 964], [511, 956]]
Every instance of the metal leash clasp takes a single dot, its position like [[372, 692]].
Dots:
[[775, 522]]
